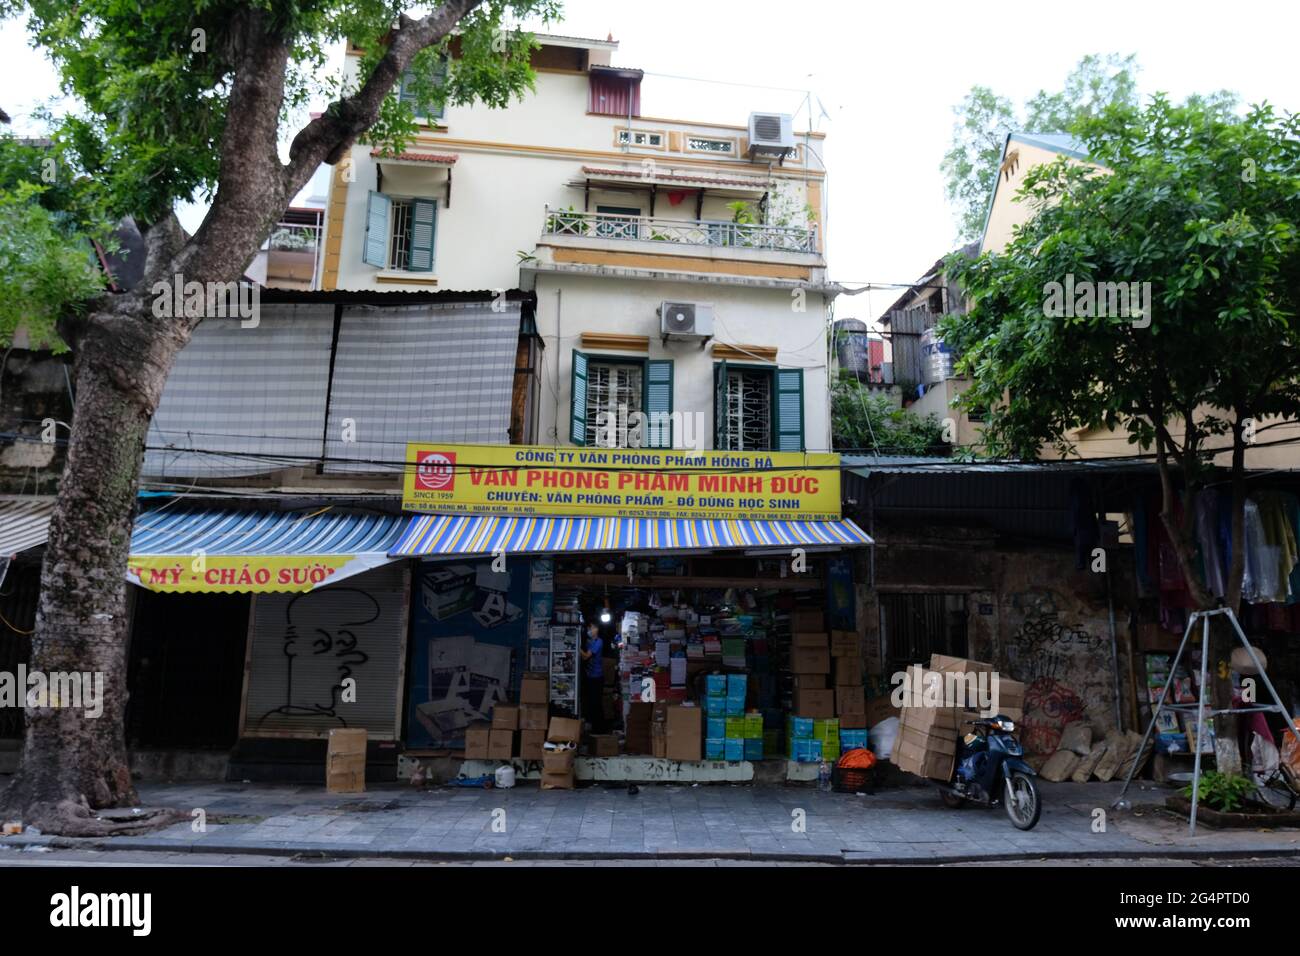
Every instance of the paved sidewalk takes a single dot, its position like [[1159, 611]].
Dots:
[[745, 822]]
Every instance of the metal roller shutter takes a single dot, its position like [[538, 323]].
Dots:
[[304, 645]]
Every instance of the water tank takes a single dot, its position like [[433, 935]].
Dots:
[[852, 347], [936, 358]]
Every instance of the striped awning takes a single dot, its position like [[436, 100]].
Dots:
[[24, 523], [227, 550], [463, 535]]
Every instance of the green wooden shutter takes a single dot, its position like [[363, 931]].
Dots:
[[406, 92], [658, 403], [720, 405], [424, 214], [374, 250], [787, 409], [578, 398], [439, 80]]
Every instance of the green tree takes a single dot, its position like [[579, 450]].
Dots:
[[984, 119], [865, 420], [1204, 208], [178, 99]]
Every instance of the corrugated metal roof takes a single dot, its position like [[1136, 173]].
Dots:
[[866, 465], [459, 535], [24, 523], [251, 532]]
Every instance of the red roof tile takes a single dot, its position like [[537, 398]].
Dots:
[[674, 177], [446, 159]]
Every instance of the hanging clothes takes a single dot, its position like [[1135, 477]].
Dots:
[[1083, 513], [1141, 542], [1270, 550], [1208, 503], [1291, 504]]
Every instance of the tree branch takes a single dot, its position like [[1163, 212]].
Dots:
[[328, 137]]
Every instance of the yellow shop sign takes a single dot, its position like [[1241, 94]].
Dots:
[[621, 482]]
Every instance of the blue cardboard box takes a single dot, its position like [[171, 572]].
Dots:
[[753, 749], [715, 748], [735, 749], [851, 739], [801, 727], [715, 706], [716, 685], [737, 685], [716, 727], [735, 706]]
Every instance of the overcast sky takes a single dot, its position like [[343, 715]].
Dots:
[[888, 75]]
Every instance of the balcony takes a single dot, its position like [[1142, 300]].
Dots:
[[292, 253], [709, 234]]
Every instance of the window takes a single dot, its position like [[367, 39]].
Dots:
[[749, 411], [607, 392], [710, 144], [639, 137], [618, 225], [423, 98], [613, 95], [757, 408], [613, 394], [400, 233]]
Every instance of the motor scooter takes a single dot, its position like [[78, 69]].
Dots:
[[990, 771]]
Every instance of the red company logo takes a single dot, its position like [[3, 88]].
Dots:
[[436, 470]]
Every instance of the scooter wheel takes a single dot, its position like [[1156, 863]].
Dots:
[[952, 800], [1021, 801]]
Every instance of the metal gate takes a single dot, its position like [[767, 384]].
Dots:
[[310, 653], [914, 626]]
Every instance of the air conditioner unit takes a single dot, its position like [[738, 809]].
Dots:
[[686, 320], [771, 134]]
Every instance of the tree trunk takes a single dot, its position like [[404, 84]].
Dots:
[[73, 762]]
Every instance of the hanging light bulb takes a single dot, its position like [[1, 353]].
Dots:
[[605, 616]]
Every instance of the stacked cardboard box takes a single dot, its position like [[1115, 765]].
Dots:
[[659, 729], [810, 662], [928, 734], [501, 739], [477, 736], [685, 733], [734, 738], [828, 732], [636, 735], [928, 728], [345, 761], [562, 738], [801, 744], [532, 689], [846, 666]]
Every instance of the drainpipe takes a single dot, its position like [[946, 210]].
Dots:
[[1114, 650], [559, 338]]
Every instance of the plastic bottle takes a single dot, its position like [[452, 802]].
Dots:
[[824, 777]]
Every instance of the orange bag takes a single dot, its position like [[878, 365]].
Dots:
[[1291, 750], [858, 758]]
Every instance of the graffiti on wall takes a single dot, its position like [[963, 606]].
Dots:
[[1065, 666]]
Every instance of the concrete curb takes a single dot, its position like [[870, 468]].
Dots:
[[843, 857]]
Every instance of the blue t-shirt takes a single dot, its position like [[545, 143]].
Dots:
[[595, 664]]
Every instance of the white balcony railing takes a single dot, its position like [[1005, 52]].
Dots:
[[693, 232]]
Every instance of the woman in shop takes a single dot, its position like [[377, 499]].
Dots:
[[593, 679]]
